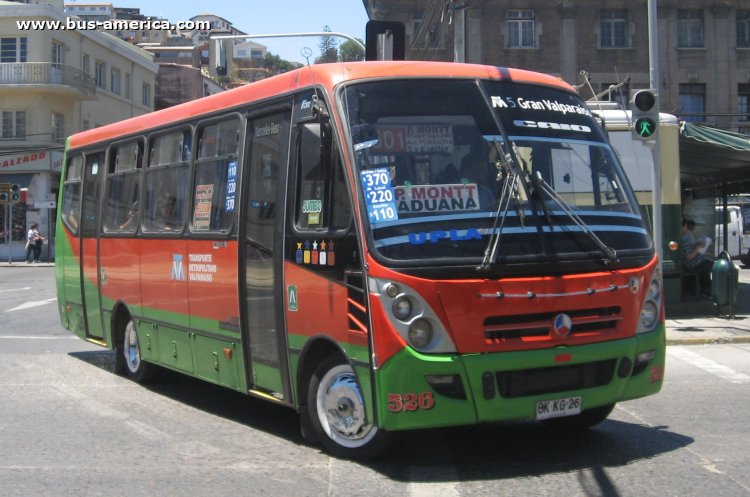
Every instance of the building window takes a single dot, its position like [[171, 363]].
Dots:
[[86, 64], [416, 22], [114, 81], [693, 102], [57, 53], [58, 126], [743, 28], [743, 101], [127, 85], [613, 28], [100, 74], [146, 94], [690, 28], [13, 49], [521, 29], [14, 124]]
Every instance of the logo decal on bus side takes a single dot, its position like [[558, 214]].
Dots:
[[178, 269], [314, 253], [291, 291]]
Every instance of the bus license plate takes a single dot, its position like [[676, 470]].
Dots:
[[557, 408]]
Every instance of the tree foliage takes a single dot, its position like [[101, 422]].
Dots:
[[277, 65], [350, 51], [329, 51]]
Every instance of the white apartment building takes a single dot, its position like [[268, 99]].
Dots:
[[96, 11], [54, 83]]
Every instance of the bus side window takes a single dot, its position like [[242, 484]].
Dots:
[[71, 203], [216, 176], [92, 174], [121, 205], [167, 179], [322, 197]]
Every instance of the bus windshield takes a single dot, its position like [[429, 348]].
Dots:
[[460, 171]]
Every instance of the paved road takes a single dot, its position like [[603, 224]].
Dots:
[[70, 427]]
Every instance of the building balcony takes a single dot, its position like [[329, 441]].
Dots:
[[20, 74]]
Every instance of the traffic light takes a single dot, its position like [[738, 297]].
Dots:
[[15, 194], [645, 115], [4, 193]]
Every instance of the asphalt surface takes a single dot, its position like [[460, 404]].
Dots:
[[694, 321]]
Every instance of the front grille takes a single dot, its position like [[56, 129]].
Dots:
[[498, 329], [539, 381]]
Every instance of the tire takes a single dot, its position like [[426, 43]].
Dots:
[[129, 352], [583, 421], [336, 413]]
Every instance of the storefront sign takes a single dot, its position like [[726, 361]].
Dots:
[[41, 160]]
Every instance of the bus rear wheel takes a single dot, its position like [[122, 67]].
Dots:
[[337, 413], [130, 351]]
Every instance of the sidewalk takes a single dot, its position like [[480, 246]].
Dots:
[[692, 322]]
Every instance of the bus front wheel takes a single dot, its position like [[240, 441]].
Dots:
[[337, 413], [130, 351]]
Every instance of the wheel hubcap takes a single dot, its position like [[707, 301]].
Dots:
[[131, 349], [341, 409]]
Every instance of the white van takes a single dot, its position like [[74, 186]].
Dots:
[[734, 226]]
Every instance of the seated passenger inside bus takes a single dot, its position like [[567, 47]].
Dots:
[[475, 169], [167, 216]]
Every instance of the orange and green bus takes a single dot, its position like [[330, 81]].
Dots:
[[381, 246]]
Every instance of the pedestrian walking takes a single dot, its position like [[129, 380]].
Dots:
[[34, 241]]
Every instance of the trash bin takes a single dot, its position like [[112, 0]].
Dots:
[[725, 277]]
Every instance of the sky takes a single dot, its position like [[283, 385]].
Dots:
[[266, 17]]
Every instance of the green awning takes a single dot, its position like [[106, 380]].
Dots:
[[709, 157]]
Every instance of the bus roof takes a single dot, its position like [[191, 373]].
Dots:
[[327, 75]]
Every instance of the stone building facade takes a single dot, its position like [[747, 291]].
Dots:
[[704, 46]]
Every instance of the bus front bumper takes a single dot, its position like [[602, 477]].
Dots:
[[425, 391]]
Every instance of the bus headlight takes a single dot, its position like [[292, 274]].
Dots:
[[402, 308], [651, 307], [649, 315], [412, 317], [654, 290], [420, 333]]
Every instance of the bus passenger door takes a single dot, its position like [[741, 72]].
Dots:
[[263, 199], [92, 177]]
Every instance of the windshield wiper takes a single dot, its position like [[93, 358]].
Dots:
[[540, 184], [508, 192], [509, 171]]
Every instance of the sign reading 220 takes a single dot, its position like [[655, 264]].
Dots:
[[379, 194]]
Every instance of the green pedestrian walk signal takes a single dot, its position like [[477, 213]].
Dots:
[[645, 115], [645, 127]]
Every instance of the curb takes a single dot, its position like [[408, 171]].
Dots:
[[707, 341]]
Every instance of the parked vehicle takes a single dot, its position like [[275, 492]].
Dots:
[[732, 220]]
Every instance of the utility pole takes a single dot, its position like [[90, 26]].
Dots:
[[653, 60], [459, 33]]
